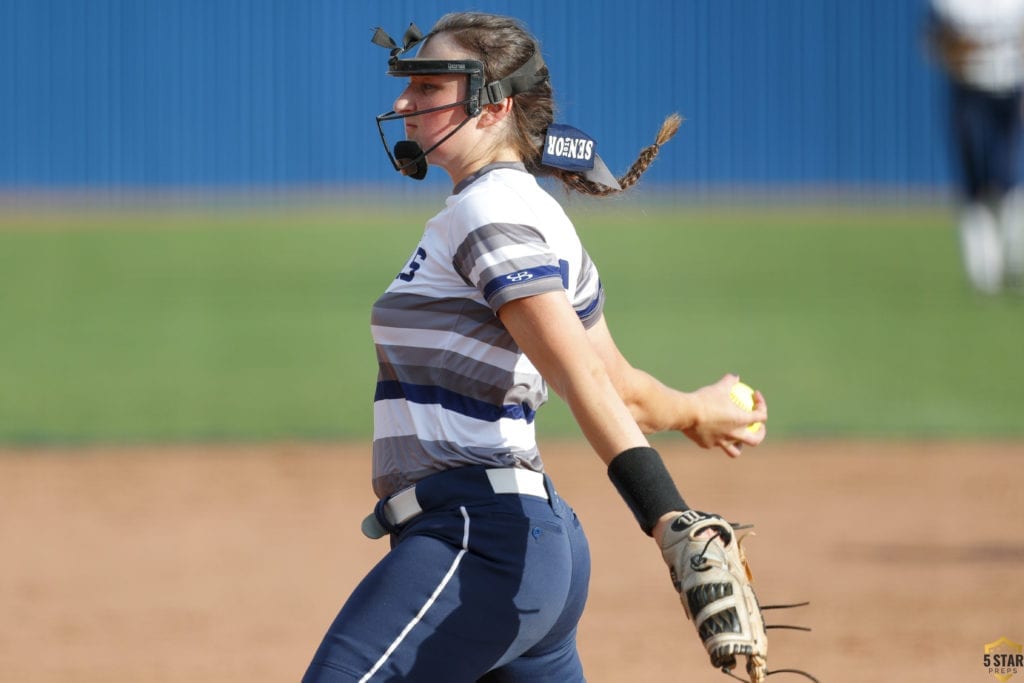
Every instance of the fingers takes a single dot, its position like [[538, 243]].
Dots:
[[760, 406], [728, 380], [751, 434], [726, 425], [745, 437], [754, 433], [731, 448]]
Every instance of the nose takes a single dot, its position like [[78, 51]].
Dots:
[[403, 104]]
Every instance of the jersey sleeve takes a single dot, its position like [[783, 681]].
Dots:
[[507, 261], [589, 297], [511, 244]]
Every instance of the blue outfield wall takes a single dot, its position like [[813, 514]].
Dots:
[[101, 93]]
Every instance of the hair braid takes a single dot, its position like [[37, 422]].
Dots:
[[647, 155], [503, 44], [575, 181]]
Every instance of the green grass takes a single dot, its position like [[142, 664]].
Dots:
[[251, 324], [851, 322]]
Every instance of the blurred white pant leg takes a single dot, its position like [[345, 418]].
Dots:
[[981, 247]]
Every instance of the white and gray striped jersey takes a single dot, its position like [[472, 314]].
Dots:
[[453, 387]]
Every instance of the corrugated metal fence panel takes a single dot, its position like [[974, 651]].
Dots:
[[239, 92]]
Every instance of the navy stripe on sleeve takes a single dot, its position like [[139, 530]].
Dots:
[[521, 277]]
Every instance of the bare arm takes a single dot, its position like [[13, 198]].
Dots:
[[547, 330], [587, 371], [707, 415]]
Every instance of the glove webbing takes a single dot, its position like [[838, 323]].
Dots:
[[800, 672], [728, 620]]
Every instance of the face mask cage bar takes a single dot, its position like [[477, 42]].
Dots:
[[471, 68], [409, 166], [525, 78]]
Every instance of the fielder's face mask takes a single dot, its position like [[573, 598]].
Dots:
[[408, 158]]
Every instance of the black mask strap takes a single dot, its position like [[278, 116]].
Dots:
[[523, 79]]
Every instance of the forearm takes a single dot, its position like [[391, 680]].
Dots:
[[706, 415], [656, 407], [603, 417], [552, 338], [547, 330]]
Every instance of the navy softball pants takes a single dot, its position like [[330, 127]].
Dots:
[[987, 129], [478, 587]]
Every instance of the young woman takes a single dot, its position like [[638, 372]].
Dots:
[[487, 574]]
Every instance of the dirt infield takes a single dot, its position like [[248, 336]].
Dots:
[[226, 564]]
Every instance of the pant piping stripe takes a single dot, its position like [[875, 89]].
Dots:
[[429, 603]]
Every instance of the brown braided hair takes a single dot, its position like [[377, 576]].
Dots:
[[503, 44]]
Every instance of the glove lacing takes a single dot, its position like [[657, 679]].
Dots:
[[697, 560]]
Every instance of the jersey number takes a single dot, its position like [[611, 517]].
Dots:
[[414, 265]]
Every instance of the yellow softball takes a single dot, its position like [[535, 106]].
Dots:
[[743, 396]]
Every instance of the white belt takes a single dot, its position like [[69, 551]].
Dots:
[[404, 505]]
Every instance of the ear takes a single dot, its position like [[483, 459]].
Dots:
[[492, 114]]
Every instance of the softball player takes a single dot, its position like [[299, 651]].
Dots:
[[487, 573], [980, 46]]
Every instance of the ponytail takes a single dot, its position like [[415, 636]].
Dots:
[[574, 180], [504, 45]]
